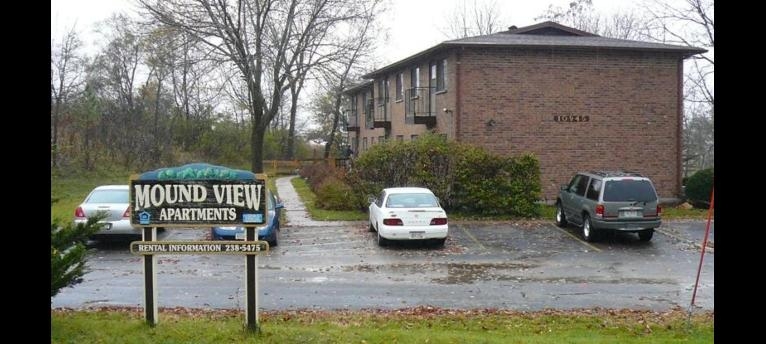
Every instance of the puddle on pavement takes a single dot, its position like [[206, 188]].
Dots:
[[448, 273]]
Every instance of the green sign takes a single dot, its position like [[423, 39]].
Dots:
[[196, 195], [198, 247]]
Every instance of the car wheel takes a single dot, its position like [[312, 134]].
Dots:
[[646, 235], [561, 219], [382, 241], [212, 234], [588, 231], [273, 243], [439, 242]]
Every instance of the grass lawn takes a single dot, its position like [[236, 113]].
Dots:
[[413, 325], [70, 190]]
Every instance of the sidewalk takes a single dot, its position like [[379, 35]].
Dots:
[[297, 216]]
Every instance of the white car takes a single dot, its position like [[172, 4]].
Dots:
[[408, 213], [114, 201]]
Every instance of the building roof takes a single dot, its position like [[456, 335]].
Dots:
[[358, 85], [544, 35]]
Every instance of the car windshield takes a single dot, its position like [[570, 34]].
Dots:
[[108, 196], [413, 200], [626, 190]]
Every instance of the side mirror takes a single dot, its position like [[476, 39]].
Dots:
[[371, 199], [279, 206], [564, 187]]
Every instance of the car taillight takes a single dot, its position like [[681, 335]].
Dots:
[[659, 211], [393, 222], [438, 221], [126, 214], [79, 213], [599, 210]]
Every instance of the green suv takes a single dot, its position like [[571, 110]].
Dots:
[[607, 200]]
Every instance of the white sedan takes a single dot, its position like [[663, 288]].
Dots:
[[408, 213]]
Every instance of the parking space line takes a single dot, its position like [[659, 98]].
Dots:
[[473, 238], [578, 239]]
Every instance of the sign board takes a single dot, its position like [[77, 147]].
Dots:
[[197, 195], [198, 247]]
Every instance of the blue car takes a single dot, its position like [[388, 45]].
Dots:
[[266, 232]]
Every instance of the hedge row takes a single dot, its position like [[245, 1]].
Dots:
[[464, 177]]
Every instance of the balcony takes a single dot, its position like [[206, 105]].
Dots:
[[352, 121], [420, 106], [382, 118]]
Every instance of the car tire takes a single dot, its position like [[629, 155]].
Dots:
[[646, 235], [589, 233], [382, 242], [274, 243], [561, 218], [212, 234], [439, 242]]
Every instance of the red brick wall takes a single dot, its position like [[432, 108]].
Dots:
[[630, 98]]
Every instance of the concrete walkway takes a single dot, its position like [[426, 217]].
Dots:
[[297, 216]]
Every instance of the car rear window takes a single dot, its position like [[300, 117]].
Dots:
[[411, 201], [108, 196], [625, 190]]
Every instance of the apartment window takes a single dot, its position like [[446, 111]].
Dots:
[[441, 75], [364, 143], [399, 138], [354, 106], [372, 141], [385, 90], [415, 77], [413, 137], [382, 91], [399, 86]]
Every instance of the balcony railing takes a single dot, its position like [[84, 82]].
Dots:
[[352, 121], [382, 118], [420, 106]]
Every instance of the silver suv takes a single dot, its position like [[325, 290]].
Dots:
[[607, 200]]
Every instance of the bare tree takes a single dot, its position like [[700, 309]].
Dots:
[[67, 71], [690, 22], [262, 39], [581, 15], [480, 17]]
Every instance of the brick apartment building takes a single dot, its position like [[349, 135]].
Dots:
[[576, 100]]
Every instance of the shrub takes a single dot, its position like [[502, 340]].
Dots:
[[464, 177], [699, 186], [68, 252], [334, 194], [317, 172]]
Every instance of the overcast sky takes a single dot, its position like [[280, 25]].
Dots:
[[414, 25]]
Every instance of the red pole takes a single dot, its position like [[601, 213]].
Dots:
[[704, 244]]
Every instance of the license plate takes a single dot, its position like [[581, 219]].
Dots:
[[239, 236], [416, 235], [629, 213]]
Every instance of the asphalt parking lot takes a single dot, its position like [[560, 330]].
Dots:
[[528, 265]]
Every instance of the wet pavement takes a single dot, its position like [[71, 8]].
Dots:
[[528, 265]]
